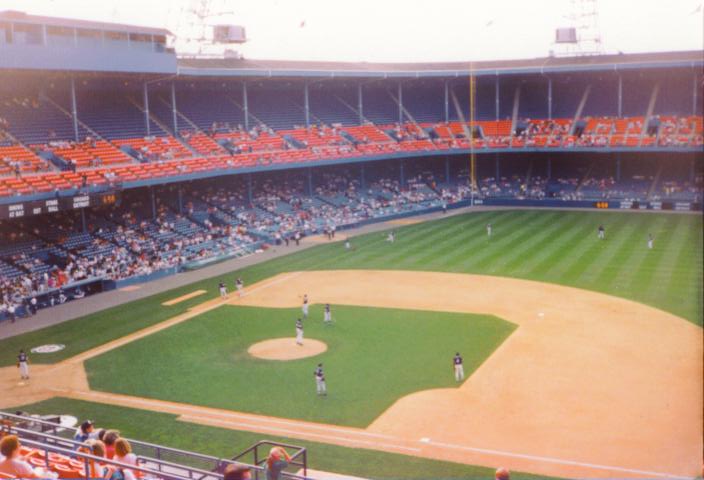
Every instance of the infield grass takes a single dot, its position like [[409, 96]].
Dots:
[[550, 246], [374, 357]]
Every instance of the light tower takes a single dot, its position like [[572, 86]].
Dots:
[[205, 28], [583, 35]]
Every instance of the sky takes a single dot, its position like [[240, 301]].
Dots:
[[406, 30]]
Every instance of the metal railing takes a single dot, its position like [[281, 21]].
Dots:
[[164, 462]]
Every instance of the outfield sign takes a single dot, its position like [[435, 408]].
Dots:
[[53, 205]]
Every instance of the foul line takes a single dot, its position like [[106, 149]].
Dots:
[[557, 460]]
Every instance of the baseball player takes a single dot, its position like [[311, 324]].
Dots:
[[321, 389], [305, 306], [223, 290], [391, 237], [459, 368], [299, 332], [327, 316], [488, 229], [23, 365], [240, 287], [650, 241], [347, 245], [602, 232]]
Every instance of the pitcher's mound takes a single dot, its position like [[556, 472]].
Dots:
[[286, 349]]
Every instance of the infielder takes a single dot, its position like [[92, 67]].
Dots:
[[650, 241], [23, 365], [321, 389], [327, 316], [305, 306], [299, 332], [240, 287], [459, 368], [223, 290], [602, 232]]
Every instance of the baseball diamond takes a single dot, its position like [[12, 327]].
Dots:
[[456, 240]]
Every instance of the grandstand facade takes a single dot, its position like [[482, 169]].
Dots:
[[120, 162]]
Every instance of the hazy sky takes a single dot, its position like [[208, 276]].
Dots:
[[410, 30]]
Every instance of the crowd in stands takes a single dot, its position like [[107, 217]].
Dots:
[[44, 265]]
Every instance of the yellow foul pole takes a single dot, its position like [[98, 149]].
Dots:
[[472, 156]]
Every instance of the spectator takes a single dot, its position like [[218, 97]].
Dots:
[[97, 449], [123, 452], [277, 461], [84, 432], [13, 466], [237, 472], [502, 474], [109, 439]]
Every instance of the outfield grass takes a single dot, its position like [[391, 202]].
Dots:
[[163, 429], [552, 246], [374, 357]]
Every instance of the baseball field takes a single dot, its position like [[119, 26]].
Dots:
[[582, 356]]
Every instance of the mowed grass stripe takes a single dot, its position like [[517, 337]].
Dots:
[[609, 273], [690, 283], [667, 246], [431, 253], [565, 228], [539, 240], [481, 246], [409, 250], [628, 262], [545, 269], [644, 260], [585, 251], [372, 247], [497, 261]]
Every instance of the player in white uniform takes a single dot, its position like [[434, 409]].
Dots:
[[459, 368], [320, 386], [650, 241], [488, 229], [240, 287], [305, 306], [23, 365], [327, 316], [299, 332], [601, 232], [391, 237], [223, 290]]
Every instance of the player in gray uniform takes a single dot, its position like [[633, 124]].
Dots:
[[650, 241], [320, 386], [459, 368], [305, 306], [299, 332], [223, 290], [601, 232], [23, 365], [239, 284], [327, 316], [488, 229]]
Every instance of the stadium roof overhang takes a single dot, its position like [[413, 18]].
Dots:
[[219, 68]]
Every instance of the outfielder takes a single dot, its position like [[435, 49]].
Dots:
[[327, 316], [299, 332], [320, 386], [223, 290], [602, 232], [23, 365], [650, 241], [488, 229], [305, 306], [459, 368]]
